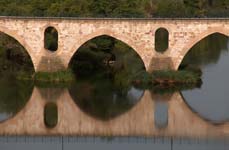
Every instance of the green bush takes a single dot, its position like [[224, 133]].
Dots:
[[59, 76], [183, 76]]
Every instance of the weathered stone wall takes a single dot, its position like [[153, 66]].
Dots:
[[137, 33]]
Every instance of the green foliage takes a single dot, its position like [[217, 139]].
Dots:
[[99, 98], [142, 79], [171, 8], [166, 81], [115, 8], [14, 94], [59, 76], [171, 89], [182, 76], [13, 56]]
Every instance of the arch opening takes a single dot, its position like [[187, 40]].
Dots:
[[104, 68], [15, 66], [211, 56], [51, 39], [161, 40]]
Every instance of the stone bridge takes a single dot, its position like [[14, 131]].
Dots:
[[137, 33]]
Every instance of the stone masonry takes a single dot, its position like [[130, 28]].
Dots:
[[137, 33]]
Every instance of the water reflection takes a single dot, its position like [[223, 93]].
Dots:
[[14, 95], [211, 100], [161, 115], [100, 98], [154, 115]]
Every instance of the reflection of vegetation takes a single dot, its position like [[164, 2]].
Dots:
[[175, 77], [50, 115], [14, 94], [168, 80], [100, 98], [207, 51], [53, 77], [173, 88]]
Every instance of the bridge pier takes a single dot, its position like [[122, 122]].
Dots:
[[161, 63], [50, 64]]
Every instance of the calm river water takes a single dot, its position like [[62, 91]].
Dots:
[[101, 100]]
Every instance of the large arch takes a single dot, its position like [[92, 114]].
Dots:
[[194, 41], [125, 39], [22, 42]]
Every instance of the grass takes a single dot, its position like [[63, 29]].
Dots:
[[63, 76], [59, 76], [160, 80], [175, 77], [168, 79]]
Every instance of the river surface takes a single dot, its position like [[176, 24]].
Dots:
[[100, 100], [210, 101]]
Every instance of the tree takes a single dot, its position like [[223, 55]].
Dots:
[[197, 7], [171, 8]]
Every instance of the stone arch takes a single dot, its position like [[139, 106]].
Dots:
[[125, 39], [194, 41], [21, 41]]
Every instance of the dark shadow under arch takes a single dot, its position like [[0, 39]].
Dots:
[[51, 39], [109, 40], [161, 40], [98, 92], [100, 32]]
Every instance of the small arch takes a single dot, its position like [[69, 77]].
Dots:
[[161, 40], [51, 39]]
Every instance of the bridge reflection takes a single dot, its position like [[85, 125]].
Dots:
[[138, 121]]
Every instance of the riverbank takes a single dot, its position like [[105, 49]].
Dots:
[[160, 80], [63, 76], [168, 79]]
